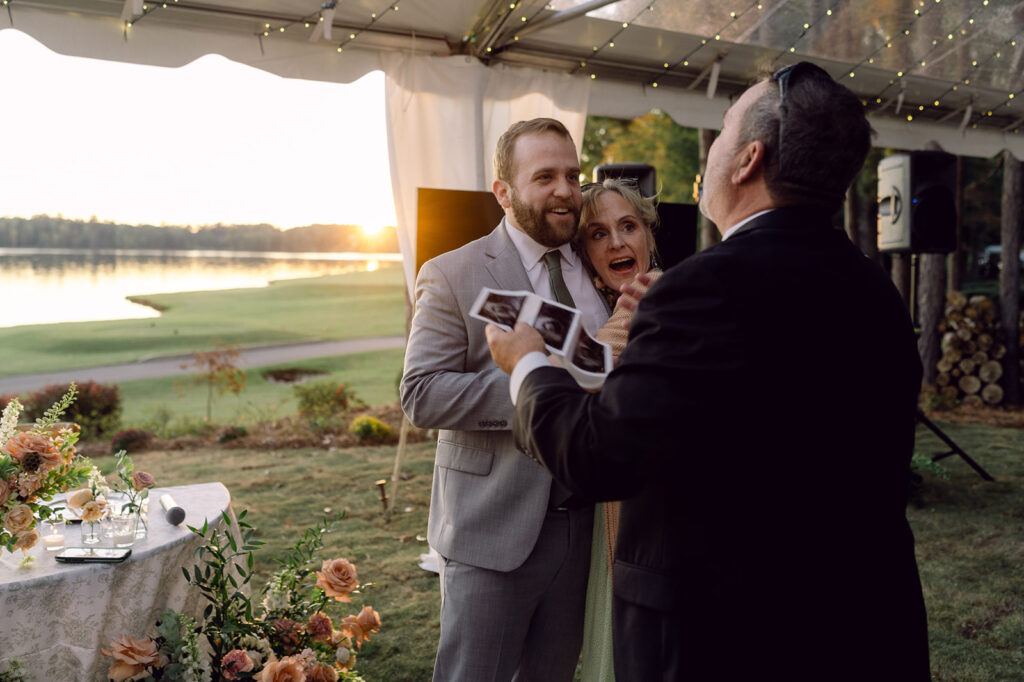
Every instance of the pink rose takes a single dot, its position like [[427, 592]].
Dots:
[[26, 539], [288, 669], [5, 491], [29, 484], [19, 518], [320, 627], [337, 578], [131, 656], [140, 480], [234, 662]]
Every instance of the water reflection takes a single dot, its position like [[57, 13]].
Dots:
[[42, 286]]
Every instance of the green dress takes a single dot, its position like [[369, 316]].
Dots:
[[597, 661]]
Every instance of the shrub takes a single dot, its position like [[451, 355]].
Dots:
[[97, 409], [131, 440], [320, 400], [229, 433], [369, 428]]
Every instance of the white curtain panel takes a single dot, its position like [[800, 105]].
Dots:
[[445, 115]]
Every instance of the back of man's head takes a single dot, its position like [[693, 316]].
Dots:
[[825, 136], [505, 149]]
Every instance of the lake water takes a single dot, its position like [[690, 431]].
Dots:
[[43, 286]]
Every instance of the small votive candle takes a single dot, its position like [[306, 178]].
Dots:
[[53, 534], [124, 531]]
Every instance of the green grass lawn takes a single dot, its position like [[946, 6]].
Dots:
[[351, 305], [970, 542], [373, 376]]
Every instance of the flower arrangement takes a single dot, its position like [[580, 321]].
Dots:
[[284, 634], [35, 465]]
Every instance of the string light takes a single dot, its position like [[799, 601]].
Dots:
[[807, 26], [610, 42], [374, 18], [685, 59]]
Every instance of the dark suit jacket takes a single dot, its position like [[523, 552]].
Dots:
[[759, 428]]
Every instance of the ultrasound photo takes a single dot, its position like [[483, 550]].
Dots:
[[553, 323], [589, 354], [502, 309]]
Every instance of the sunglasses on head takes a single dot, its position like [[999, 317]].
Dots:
[[787, 77]]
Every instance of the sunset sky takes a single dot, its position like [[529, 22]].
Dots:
[[213, 141]]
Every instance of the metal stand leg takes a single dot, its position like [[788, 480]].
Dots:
[[956, 450]]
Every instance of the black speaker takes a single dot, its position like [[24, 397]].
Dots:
[[643, 173], [916, 202]]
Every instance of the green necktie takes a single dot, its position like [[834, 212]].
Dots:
[[553, 260]]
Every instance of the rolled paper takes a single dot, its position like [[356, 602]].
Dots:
[[175, 514]]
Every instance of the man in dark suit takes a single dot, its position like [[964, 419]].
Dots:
[[759, 425]]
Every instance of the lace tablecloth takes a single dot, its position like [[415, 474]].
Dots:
[[56, 617]]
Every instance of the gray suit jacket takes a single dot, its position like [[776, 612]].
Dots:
[[488, 500]]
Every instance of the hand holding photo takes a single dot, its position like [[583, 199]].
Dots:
[[561, 327]]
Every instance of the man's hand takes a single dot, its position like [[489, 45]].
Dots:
[[633, 291], [507, 348]]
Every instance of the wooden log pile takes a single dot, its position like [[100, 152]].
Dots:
[[970, 368]]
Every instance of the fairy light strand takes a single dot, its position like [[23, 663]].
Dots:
[[807, 26], [610, 42], [147, 9], [685, 59], [374, 18]]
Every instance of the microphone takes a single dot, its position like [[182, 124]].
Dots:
[[175, 514]]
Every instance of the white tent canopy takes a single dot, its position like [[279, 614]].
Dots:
[[459, 71]]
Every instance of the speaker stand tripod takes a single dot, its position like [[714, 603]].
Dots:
[[956, 449]]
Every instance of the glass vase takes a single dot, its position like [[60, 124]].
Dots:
[[142, 515], [90, 533]]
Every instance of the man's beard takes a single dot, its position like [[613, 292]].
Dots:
[[538, 227]]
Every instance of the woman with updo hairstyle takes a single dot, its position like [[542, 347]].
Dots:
[[615, 240]]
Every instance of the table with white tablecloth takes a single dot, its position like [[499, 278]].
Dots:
[[56, 617]]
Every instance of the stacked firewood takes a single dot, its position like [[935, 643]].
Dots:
[[970, 368]]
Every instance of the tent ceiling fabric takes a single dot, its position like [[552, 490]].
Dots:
[[905, 55]]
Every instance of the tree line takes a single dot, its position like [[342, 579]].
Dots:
[[43, 231]]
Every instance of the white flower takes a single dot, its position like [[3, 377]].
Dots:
[[341, 655], [9, 420]]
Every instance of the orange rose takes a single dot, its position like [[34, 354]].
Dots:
[[92, 511], [19, 518], [131, 656], [140, 480], [21, 445], [26, 539], [322, 673], [369, 620], [337, 578], [79, 498], [288, 669], [350, 627]]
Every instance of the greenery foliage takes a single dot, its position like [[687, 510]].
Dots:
[[653, 138], [369, 428], [131, 440], [322, 403], [96, 410], [230, 433], [44, 231]]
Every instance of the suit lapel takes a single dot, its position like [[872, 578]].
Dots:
[[504, 263]]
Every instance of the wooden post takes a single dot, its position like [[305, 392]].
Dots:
[[955, 280], [901, 277], [709, 234], [1009, 276], [931, 299]]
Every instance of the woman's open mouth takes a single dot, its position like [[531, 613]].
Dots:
[[622, 264]]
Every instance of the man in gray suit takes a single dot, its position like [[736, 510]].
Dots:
[[514, 552]]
